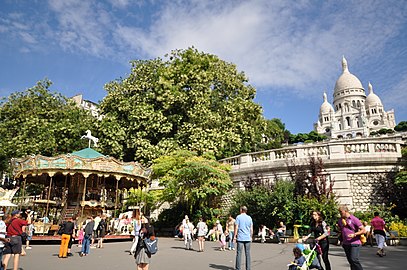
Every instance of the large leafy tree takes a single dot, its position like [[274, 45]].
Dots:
[[191, 100], [197, 182], [37, 121]]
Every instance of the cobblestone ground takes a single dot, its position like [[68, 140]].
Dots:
[[172, 255]]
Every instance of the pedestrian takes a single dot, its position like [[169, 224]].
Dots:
[[351, 229], [230, 227], [15, 228], [142, 255], [263, 232], [187, 231], [80, 236], [87, 236], [378, 228], [68, 228], [218, 230], [202, 229], [280, 232], [298, 261], [368, 234], [222, 241], [321, 233], [102, 231], [243, 236], [3, 239], [30, 232], [136, 223], [96, 220]]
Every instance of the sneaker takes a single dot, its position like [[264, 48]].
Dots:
[[28, 248], [230, 248], [233, 249], [70, 254], [81, 254]]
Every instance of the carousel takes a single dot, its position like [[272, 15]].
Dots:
[[79, 184]]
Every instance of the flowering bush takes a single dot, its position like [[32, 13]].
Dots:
[[400, 227]]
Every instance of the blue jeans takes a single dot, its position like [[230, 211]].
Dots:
[[240, 245], [86, 244], [279, 235], [1, 258], [231, 244], [352, 254]]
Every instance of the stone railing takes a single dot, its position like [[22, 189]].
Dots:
[[359, 148]]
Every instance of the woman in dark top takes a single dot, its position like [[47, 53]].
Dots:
[[67, 232], [321, 232], [102, 231], [142, 255]]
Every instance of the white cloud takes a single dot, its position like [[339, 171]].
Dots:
[[277, 44]]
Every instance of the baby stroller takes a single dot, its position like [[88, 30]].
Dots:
[[310, 255]]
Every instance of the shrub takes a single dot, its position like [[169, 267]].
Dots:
[[400, 227]]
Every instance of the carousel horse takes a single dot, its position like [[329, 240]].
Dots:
[[90, 138]]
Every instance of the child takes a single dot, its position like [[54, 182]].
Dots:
[[80, 237], [263, 232], [299, 259], [222, 240]]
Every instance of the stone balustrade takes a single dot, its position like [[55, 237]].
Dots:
[[330, 150], [357, 166]]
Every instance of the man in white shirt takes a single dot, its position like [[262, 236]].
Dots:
[[3, 238]]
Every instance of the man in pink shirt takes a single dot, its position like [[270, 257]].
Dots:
[[378, 228]]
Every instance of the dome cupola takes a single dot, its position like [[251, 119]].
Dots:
[[347, 80], [326, 107], [372, 99]]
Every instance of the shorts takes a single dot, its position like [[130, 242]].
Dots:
[[14, 246]]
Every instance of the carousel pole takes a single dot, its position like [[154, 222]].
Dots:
[[84, 193], [22, 194], [49, 194], [117, 193]]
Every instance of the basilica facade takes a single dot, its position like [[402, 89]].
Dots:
[[353, 114]]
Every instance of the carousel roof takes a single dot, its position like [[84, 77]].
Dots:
[[87, 153], [86, 161]]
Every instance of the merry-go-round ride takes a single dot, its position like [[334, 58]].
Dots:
[[79, 184]]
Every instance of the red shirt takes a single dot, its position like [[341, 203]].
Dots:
[[16, 226], [377, 223]]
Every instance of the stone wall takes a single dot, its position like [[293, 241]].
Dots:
[[367, 189]]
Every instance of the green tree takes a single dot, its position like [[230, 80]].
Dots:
[[402, 126], [190, 100], [198, 182], [37, 121]]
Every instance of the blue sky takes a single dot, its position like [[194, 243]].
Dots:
[[290, 50]]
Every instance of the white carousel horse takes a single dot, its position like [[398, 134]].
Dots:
[[90, 138]]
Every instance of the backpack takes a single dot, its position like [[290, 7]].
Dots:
[[151, 245]]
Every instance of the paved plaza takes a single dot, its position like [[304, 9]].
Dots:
[[172, 255]]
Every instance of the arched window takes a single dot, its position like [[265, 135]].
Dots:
[[358, 104], [353, 103], [348, 121]]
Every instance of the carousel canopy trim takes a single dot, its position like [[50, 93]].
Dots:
[[87, 153], [86, 161]]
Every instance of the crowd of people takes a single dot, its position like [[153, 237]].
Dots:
[[16, 232], [351, 234]]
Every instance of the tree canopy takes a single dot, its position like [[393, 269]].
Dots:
[[37, 121], [196, 181], [189, 100]]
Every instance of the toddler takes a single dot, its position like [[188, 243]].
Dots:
[[222, 240], [80, 237], [299, 259]]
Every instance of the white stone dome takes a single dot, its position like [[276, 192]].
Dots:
[[326, 107], [347, 80], [372, 99]]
